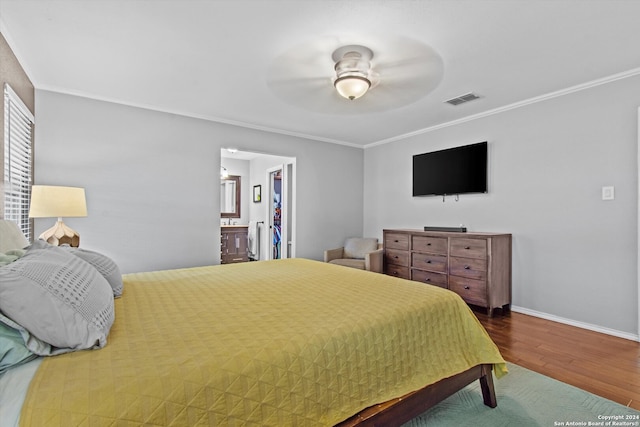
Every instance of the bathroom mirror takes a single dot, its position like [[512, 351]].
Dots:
[[230, 197]]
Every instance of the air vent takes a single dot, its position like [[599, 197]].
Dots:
[[462, 99]]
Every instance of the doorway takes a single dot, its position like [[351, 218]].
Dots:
[[275, 213], [257, 201], [279, 211]]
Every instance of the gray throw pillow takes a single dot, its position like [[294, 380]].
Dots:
[[58, 297], [105, 265]]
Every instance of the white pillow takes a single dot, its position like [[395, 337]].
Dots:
[[11, 237]]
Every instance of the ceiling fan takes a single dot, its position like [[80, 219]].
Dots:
[[337, 76]]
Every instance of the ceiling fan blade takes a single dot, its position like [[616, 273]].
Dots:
[[401, 62], [298, 81]]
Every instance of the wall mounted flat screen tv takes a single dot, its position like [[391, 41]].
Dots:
[[458, 170]]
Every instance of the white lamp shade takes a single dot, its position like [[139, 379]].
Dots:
[[352, 87], [49, 201]]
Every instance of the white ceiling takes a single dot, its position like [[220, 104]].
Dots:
[[212, 59]]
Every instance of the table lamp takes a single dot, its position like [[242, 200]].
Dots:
[[48, 201]]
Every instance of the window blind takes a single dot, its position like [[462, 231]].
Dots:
[[18, 160]]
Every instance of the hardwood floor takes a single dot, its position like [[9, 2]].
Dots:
[[601, 364]]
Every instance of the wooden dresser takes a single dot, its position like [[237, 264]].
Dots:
[[477, 266], [234, 243]]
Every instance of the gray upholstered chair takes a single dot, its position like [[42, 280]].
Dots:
[[364, 253]]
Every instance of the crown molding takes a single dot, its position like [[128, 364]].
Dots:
[[515, 105], [214, 119]]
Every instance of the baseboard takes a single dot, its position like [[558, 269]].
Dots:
[[575, 323]]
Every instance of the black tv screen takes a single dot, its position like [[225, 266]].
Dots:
[[452, 171]]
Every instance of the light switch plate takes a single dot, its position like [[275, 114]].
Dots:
[[608, 193]]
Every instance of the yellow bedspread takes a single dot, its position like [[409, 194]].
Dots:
[[269, 343]]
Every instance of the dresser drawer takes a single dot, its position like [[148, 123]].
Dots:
[[472, 268], [392, 256], [469, 248], [471, 290], [396, 241], [397, 271], [233, 258], [434, 245], [430, 262], [437, 279]]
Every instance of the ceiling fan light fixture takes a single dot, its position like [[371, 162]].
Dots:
[[352, 66], [352, 87]]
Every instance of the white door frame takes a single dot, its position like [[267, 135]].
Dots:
[[291, 207], [638, 257]]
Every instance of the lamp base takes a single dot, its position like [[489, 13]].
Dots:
[[61, 234]]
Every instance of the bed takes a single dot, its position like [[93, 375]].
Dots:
[[283, 342]]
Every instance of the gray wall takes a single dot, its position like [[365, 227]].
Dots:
[[574, 255], [152, 181]]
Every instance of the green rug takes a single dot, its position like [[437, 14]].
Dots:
[[526, 398]]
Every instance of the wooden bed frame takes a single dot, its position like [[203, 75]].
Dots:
[[400, 410]]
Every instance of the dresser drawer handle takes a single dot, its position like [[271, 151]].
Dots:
[[395, 256], [428, 261], [396, 241], [466, 267], [428, 244], [467, 287], [467, 247]]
